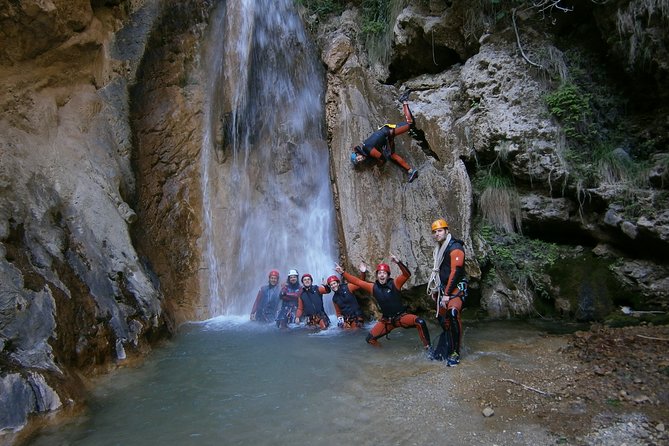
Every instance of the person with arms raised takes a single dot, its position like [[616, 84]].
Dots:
[[347, 308], [386, 291]]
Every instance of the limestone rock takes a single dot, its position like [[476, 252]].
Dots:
[[71, 281], [21, 397], [504, 301], [100, 205]]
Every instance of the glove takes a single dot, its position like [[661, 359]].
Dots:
[[340, 321]]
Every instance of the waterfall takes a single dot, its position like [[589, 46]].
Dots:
[[267, 201]]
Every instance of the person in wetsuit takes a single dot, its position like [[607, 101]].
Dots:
[[267, 300], [289, 295], [380, 145], [448, 287], [386, 291], [347, 308], [310, 304]]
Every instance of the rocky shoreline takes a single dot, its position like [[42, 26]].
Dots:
[[605, 386]]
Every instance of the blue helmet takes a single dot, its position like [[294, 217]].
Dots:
[[357, 150]]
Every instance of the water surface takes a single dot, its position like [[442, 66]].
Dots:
[[228, 381]]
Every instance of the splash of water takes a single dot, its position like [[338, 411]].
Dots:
[[266, 190]]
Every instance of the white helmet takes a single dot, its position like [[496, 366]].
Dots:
[[293, 272]]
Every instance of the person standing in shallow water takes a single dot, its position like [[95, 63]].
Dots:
[[380, 145], [349, 314], [267, 300], [289, 295], [448, 286], [386, 291], [310, 304]]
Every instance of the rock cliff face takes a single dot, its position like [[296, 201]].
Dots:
[[100, 203], [75, 294], [483, 109]]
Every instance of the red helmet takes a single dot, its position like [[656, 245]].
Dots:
[[332, 278], [274, 273], [383, 267], [304, 276]]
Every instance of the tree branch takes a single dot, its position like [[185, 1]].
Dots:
[[526, 387], [520, 47], [653, 338]]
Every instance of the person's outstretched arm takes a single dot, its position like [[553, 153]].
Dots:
[[362, 284], [402, 278]]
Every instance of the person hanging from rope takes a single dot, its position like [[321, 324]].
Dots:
[[289, 295], [310, 304], [347, 308], [267, 300], [448, 288], [386, 291], [380, 145]]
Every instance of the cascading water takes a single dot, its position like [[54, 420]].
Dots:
[[266, 189]]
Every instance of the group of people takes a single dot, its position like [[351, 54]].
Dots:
[[294, 302]]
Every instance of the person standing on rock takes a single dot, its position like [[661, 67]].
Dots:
[[386, 291], [310, 304], [381, 144], [267, 300], [349, 314], [289, 295], [448, 287]]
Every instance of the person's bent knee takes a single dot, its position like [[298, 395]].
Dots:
[[423, 329], [422, 323]]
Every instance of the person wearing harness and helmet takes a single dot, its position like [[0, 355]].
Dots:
[[347, 309], [386, 291], [310, 304], [267, 300], [289, 295], [381, 144], [448, 287]]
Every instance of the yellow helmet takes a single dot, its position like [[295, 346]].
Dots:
[[439, 224]]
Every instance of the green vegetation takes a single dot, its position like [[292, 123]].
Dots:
[[376, 27], [322, 8], [523, 260], [571, 106], [617, 320], [375, 16], [613, 402], [601, 149]]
